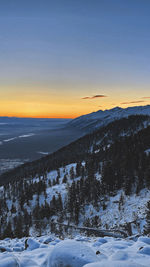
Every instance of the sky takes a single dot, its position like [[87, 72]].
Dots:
[[65, 58]]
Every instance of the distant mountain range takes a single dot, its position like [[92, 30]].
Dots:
[[101, 118]]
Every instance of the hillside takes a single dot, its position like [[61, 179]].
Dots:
[[90, 143], [101, 180]]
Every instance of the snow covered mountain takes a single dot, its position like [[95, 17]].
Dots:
[[100, 118], [95, 181]]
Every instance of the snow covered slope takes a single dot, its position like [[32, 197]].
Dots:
[[107, 188], [100, 118], [127, 213]]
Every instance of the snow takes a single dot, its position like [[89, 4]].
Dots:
[[9, 262], [114, 264], [20, 136], [71, 253], [10, 139], [32, 244], [145, 250], [147, 151], [43, 153], [26, 135], [50, 251], [7, 164]]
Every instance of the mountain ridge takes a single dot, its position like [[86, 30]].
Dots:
[[100, 118]]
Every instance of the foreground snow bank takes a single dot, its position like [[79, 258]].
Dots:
[[50, 251], [72, 254], [8, 261], [114, 264]]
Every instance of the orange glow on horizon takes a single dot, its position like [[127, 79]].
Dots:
[[63, 104], [64, 115], [46, 116]]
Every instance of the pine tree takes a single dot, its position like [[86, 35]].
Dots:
[[18, 231], [76, 212], [13, 209], [8, 231], [72, 175], [60, 204], [147, 227], [64, 181], [78, 169]]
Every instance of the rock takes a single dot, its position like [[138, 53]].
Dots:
[[71, 253], [32, 244], [26, 244], [18, 249], [3, 249], [47, 240]]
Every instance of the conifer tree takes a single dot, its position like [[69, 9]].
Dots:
[[147, 227]]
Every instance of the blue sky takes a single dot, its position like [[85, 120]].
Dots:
[[55, 53]]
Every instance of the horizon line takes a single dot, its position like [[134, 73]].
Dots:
[[69, 118]]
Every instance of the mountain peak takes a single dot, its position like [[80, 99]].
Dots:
[[100, 118]]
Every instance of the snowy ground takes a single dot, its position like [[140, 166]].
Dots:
[[50, 251]]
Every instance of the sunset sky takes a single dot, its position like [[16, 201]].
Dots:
[[65, 58]]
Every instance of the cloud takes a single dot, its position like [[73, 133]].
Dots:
[[86, 97], [145, 97], [132, 102], [93, 97]]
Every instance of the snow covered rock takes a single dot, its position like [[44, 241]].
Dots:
[[47, 240], [3, 249], [145, 250], [120, 255], [99, 242], [71, 253], [144, 239], [8, 262], [102, 240], [114, 264], [18, 249], [32, 244]]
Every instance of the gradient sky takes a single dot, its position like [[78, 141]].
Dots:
[[70, 57]]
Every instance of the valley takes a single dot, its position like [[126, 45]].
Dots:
[[24, 140]]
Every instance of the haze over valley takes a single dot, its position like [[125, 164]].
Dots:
[[27, 139]]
